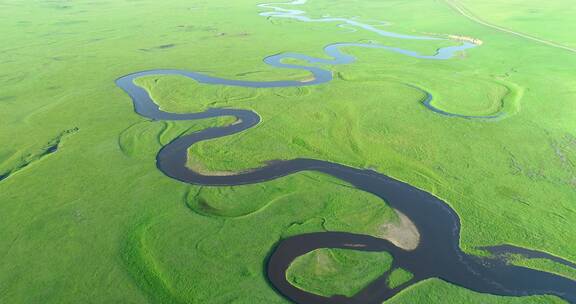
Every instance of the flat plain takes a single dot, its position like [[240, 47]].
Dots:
[[87, 217]]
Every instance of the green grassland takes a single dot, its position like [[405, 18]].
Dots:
[[96, 222], [398, 277], [549, 20], [337, 271], [436, 291]]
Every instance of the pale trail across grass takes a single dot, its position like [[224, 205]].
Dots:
[[466, 13]]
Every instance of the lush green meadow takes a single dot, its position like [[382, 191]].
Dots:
[[337, 271], [549, 20], [97, 222]]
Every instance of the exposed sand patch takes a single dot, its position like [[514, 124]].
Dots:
[[403, 233], [466, 38], [309, 79], [324, 263], [198, 168]]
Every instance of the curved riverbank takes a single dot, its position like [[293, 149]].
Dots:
[[437, 254]]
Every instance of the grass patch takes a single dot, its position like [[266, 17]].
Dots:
[[330, 272], [438, 291], [547, 265], [398, 277]]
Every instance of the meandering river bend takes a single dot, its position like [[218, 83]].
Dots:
[[438, 254]]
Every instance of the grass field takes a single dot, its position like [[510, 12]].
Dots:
[[337, 271], [96, 222], [552, 20], [398, 277]]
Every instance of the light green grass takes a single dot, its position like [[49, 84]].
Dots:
[[97, 222], [549, 20], [197, 97], [398, 277], [437, 291], [218, 241], [547, 265], [331, 272]]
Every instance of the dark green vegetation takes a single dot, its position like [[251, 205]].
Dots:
[[97, 222]]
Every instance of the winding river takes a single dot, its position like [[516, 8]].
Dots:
[[438, 254]]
